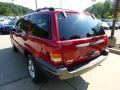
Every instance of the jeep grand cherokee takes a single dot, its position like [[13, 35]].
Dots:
[[59, 43]]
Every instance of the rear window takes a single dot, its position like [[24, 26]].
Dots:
[[75, 26]]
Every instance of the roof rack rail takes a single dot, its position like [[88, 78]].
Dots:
[[45, 8], [61, 8]]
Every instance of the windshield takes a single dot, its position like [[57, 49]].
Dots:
[[76, 26]]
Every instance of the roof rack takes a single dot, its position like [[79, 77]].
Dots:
[[51, 9], [45, 9]]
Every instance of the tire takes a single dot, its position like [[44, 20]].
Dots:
[[14, 48], [33, 70]]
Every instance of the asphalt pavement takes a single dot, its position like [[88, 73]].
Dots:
[[14, 74]]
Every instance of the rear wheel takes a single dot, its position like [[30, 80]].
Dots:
[[34, 72]]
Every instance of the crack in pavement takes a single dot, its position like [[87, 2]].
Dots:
[[13, 81], [71, 85]]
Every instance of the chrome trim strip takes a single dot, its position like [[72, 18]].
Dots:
[[98, 42], [83, 45], [90, 43]]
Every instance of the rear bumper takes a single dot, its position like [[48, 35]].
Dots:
[[61, 72]]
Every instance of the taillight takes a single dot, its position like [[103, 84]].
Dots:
[[56, 58]]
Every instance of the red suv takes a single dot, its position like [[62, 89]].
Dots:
[[59, 43]]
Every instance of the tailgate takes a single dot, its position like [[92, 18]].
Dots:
[[81, 50]]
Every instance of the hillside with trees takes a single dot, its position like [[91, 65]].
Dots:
[[9, 9], [102, 10]]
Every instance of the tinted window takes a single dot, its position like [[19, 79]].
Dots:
[[22, 25], [17, 27], [40, 25], [76, 26]]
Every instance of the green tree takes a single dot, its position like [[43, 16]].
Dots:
[[9, 9], [101, 10]]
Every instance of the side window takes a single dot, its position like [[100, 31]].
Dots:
[[40, 25], [17, 27], [24, 24]]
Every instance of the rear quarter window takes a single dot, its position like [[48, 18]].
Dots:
[[40, 25]]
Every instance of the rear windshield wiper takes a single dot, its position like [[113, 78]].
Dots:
[[64, 14]]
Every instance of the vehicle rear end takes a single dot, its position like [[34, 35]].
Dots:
[[79, 45], [82, 38]]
